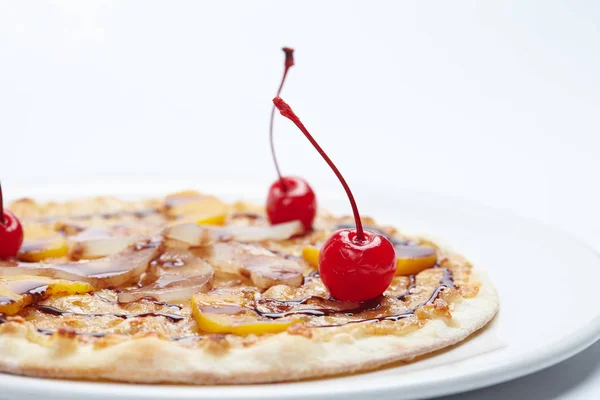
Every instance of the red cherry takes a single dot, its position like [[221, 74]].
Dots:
[[354, 264], [11, 232], [290, 198], [296, 202], [355, 270]]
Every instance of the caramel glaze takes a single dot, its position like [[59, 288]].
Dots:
[[282, 307], [355, 308], [49, 332], [446, 282], [58, 312], [411, 286]]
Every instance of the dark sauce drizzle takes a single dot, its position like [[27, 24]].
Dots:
[[365, 306], [411, 286], [446, 281], [48, 332], [58, 312]]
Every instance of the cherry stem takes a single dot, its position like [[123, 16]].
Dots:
[[289, 61], [2, 220], [287, 112]]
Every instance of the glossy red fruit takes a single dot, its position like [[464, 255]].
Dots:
[[11, 231], [291, 200], [355, 270], [11, 235], [354, 264]]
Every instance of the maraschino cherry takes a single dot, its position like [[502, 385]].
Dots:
[[290, 198], [354, 264], [11, 232]]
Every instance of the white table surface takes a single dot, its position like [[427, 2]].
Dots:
[[495, 102]]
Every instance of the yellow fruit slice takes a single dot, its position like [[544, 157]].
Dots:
[[215, 219], [193, 203], [223, 314], [61, 287], [17, 292], [311, 255], [41, 249], [410, 260]]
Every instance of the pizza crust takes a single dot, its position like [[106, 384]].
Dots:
[[280, 357]]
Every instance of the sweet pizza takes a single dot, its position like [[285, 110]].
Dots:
[[190, 289]]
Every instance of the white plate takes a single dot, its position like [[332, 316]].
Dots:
[[547, 282]]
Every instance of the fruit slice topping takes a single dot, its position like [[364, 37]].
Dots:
[[44, 248], [191, 203], [113, 271], [410, 260], [17, 292], [196, 235], [95, 243], [229, 311], [262, 267], [179, 275]]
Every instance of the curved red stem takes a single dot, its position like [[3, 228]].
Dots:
[[287, 112], [289, 62]]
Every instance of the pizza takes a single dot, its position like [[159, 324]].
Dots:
[[191, 289]]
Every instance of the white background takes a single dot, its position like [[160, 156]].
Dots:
[[497, 102]]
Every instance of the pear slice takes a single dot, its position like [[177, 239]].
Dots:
[[263, 267], [113, 271], [195, 234], [180, 275]]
